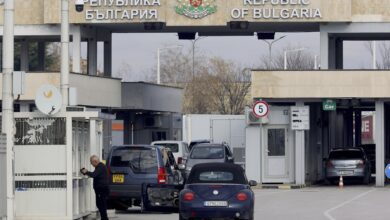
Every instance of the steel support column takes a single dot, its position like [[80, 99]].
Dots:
[[300, 171], [380, 142]]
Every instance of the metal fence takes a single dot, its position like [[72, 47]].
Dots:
[[40, 131]]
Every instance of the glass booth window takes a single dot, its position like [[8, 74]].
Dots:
[[276, 142]]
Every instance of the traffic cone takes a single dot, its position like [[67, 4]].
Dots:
[[341, 182]]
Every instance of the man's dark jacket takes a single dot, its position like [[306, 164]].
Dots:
[[100, 177]]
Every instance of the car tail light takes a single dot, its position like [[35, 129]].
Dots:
[[361, 163], [329, 164], [241, 196], [188, 196], [161, 175], [179, 160]]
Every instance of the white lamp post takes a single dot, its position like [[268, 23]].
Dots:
[[8, 114], [8, 103], [158, 60], [64, 82], [193, 54], [374, 66], [270, 43], [288, 51]]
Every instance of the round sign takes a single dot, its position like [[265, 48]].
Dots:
[[260, 109], [387, 171], [48, 99]]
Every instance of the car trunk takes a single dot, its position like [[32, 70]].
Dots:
[[215, 191], [130, 168]]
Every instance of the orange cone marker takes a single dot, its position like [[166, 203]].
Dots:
[[341, 182]]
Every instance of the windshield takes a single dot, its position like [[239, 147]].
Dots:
[[346, 154], [140, 160], [207, 153], [219, 176], [173, 147]]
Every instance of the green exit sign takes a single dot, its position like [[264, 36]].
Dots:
[[329, 105]]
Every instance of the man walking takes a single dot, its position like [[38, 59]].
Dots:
[[100, 184]]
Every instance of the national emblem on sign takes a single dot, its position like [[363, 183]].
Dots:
[[196, 8]]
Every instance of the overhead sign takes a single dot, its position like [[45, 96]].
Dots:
[[276, 10], [300, 118], [329, 105], [260, 109]]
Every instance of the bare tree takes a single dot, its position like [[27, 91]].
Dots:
[[230, 86], [383, 60], [220, 87], [298, 60]]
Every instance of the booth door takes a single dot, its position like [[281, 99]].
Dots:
[[275, 155]]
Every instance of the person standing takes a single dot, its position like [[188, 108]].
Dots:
[[100, 184]]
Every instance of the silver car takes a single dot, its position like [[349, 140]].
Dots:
[[207, 153], [348, 163]]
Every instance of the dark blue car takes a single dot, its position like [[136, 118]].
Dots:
[[217, 190], [131, 167]]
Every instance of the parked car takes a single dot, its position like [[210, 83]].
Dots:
[[217, 190], [132, 166], [349, 163], [179, 149], [207, 153]]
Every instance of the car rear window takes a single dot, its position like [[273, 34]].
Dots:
[[207, 153], [346, 154], [213, 174], [173, 147], [218, 176], [139, 160]]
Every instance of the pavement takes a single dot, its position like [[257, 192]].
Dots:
[[311, 203]]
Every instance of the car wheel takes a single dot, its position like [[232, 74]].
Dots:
[[366, 179], [327, 182], [110, 204], [121, 207], [251, 217]]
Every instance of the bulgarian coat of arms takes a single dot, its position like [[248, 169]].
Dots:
[[196, 8]]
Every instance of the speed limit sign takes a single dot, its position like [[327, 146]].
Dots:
[[260, 109]]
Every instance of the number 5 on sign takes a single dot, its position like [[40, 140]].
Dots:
[[260, 109]]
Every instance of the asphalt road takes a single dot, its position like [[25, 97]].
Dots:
[[314, 203]]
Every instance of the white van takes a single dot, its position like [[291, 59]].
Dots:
[[179, 149]]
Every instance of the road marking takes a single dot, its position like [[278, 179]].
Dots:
[[327, 212]]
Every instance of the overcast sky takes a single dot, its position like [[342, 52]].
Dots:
[[139, 51]]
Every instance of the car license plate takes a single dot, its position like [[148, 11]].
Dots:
[[118, 178], [346, 172], [216, 203]]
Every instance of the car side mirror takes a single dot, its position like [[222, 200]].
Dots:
[[182, 166], [252, 183], [231, 159]]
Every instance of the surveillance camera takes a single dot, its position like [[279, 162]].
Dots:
[[79, 5]]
